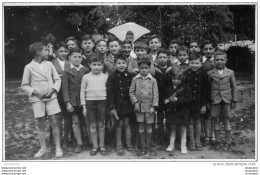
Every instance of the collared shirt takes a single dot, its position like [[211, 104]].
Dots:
[[140, 76], [77, 68], [205, 58], [154, 57], [220, 72], [62, 63]]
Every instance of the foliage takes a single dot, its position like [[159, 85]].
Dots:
[[240, 59], [26, 24]]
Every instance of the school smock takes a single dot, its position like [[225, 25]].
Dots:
[[160, 78], [118, 85], [177, 113], [200, 89]]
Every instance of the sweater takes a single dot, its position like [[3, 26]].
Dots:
[[93, 87]]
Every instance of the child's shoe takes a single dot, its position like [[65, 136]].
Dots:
[[192, 147], [170, 148], [212, 140], [206, 141], [59, 153], [199, 147], [129, 147], [40, 153], [103, 150], [78, 148], [93, 151], [142, 151], [119, 151], [184, 150]]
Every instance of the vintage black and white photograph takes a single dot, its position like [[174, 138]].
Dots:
[[130, 82]]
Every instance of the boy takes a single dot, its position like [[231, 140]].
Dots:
[[177, 98], [154, 45], [127, 47], [87, 44], [71, 88], [223, 96], [93, 99], [42, 82], [194, 46], [71, 42], [183, 55], [199, 84], [114, 48], [61, 63], [119, 103], [174, 44], [207, 64], [140, 49], [160, 70], [101, 47], [144, 96]]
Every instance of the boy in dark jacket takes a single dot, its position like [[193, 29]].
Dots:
[[71, 82], [119, 103], [160, 70], [198, 81]]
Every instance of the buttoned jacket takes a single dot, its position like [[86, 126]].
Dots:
[[223, 87], [145, 92], [42, 77], [71, 83], [118, 85]]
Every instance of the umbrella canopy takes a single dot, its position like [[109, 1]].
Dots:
[[121, 31]]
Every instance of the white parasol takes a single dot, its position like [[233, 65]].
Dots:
[[121, 30]]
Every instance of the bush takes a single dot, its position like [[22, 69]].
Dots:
[[240, 59]]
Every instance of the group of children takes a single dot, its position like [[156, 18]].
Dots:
[[173, 91]]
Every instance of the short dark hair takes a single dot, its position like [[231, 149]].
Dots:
[[140, 45], [182, 48], [71, 38], [154, 36], [220, 52], [194, 56], [50, 38], [119, 57], [74, 50], [100, 40], [127, 42], [35, 47], [112, 40], [174, 42], [194, 41], [97, 57], [87, 37], [60, 44], [144, 60], [164, 51], [207, 42]]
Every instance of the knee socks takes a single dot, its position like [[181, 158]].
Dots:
[[77, 133]]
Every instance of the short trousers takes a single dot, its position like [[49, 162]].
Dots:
[[144, 117], [96, 110], [222, 108], [41, 107]]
